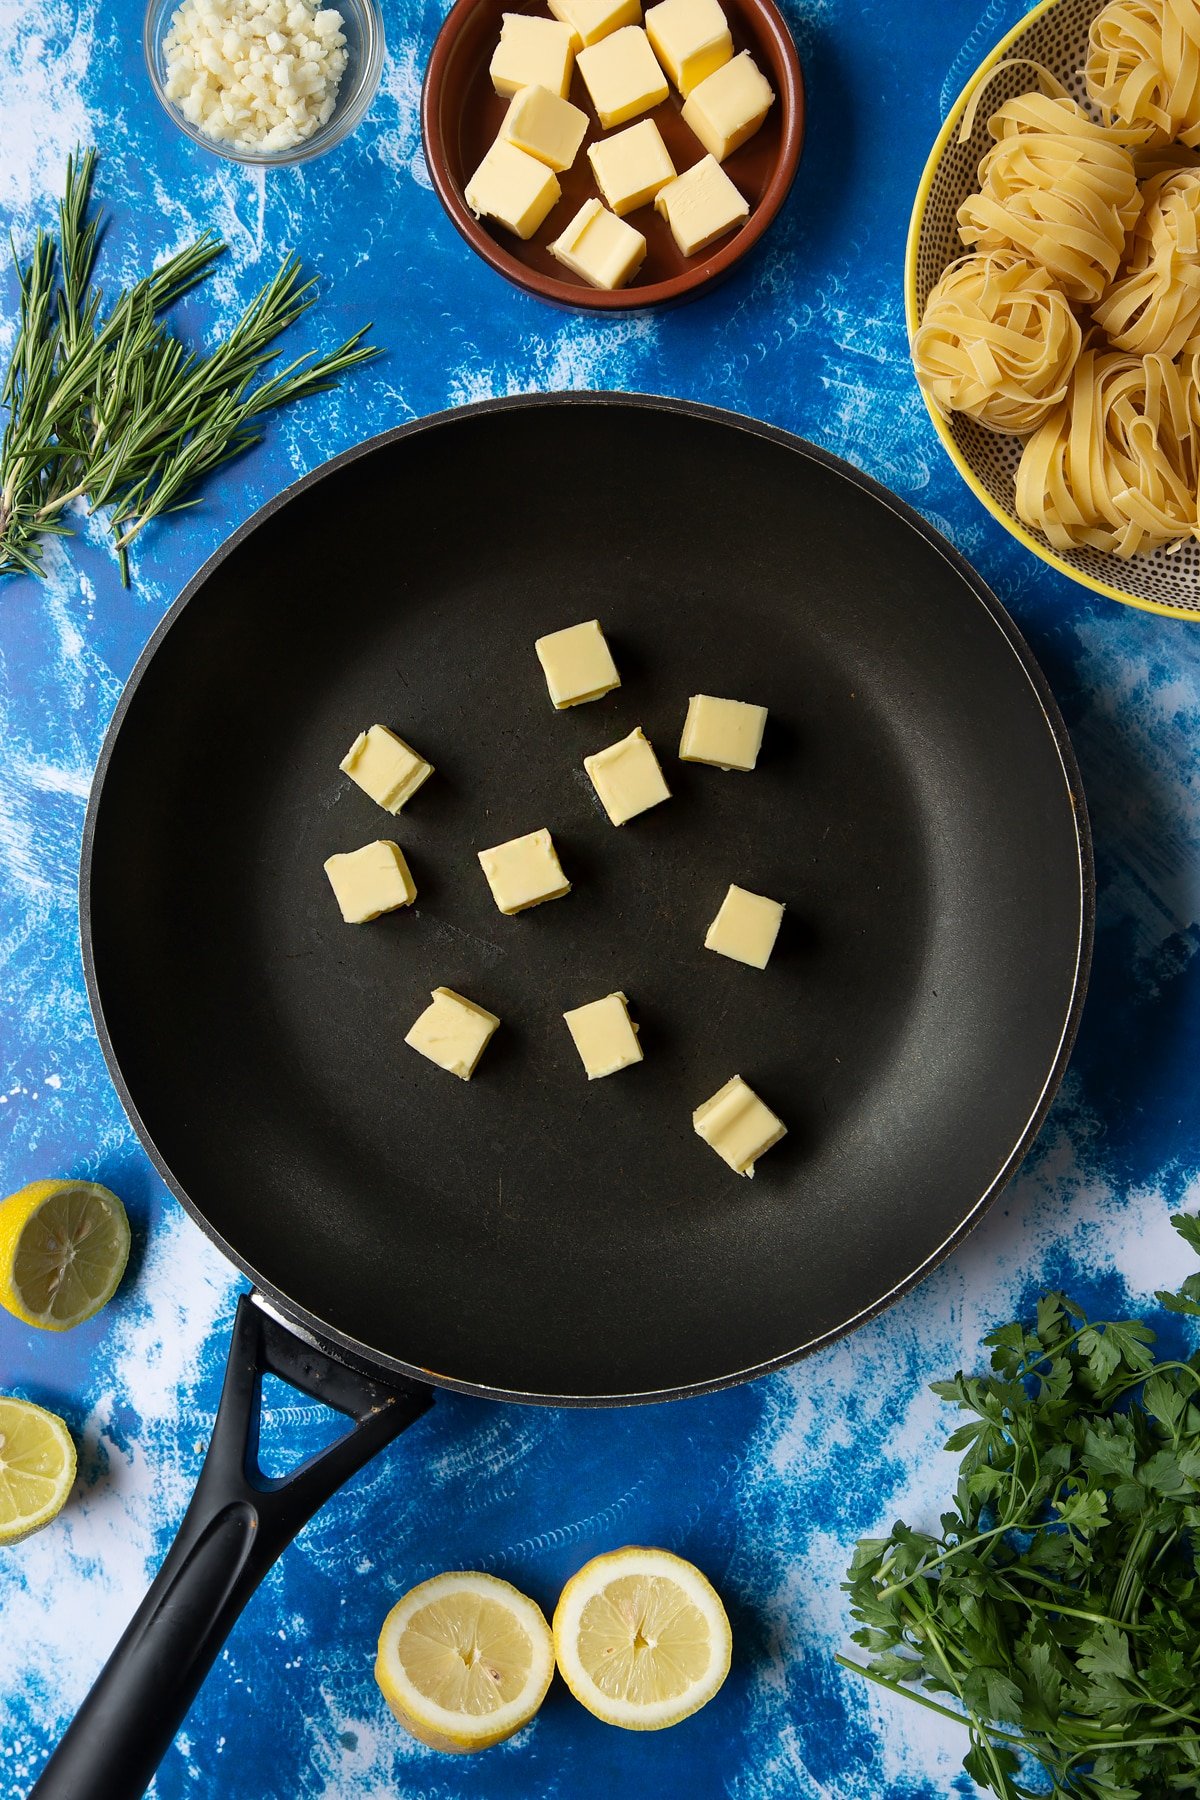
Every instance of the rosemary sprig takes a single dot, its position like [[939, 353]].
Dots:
[[107, 406]]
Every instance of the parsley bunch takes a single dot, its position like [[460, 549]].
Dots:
[[1059, 1606]]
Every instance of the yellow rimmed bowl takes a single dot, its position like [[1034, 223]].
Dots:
[[1055, 35]]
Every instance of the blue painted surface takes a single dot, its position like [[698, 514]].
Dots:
[[766, 1486]]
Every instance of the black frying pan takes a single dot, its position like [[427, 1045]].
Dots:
[[529, 1235]]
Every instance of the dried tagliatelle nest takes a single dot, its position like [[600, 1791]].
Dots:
[[1154, 305], [1057, 188], [998, 341], [1115, 466], [1143, 69]]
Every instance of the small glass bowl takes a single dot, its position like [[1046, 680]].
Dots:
[[362, 26]]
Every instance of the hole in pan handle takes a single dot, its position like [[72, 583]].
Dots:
[[237, 1524]]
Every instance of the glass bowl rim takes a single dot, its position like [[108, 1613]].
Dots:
[[348, 108]]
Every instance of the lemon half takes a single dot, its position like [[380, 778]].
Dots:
[[641, 1637], [37, 1467], [464, 1661], [63, 1249]]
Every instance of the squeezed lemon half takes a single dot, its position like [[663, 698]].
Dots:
[[641, 1637], [37, 1467], [63, 1249], [464, 1661]]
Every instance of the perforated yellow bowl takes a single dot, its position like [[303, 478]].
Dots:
[[1055, 35]]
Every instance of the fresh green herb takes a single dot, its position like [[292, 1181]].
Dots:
[[106, 406], [1058, 1608]]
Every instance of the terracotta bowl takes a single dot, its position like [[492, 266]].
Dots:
[[461, 114]]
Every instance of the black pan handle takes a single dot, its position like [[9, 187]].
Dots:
[[238, 1523]]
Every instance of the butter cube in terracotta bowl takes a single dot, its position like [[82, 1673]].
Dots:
[[628, 71]]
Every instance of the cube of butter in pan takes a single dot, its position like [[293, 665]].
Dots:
[[700, 206], [745, 928], [577, 664], [591, 20], [728, 106], [532, 53], [627, 777], [514, 189], [631, 166], [726, 733], [622, 75], [542, 125], [605, 1036], [385, 767], [372, 880], [453, 1032], [690, 39], [738, 1126], [524, 872], [600, 248]]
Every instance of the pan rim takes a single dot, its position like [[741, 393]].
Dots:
[[344, 1344]]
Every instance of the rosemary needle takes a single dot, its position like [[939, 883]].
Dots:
[[105, 405]]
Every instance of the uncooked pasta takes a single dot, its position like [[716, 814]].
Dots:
[[1155, 302], [1074, 321], [997, 341], [1114, 467], [1057, 188], [1143, 68]]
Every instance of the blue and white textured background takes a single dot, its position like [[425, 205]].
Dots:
[[766, 1487]]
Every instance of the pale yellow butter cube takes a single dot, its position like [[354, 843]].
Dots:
[[577, 664], [622, 75], [385, 767], [745, 927], [728, 106], [453, 1032], [372, 880], [600, 248], [524, 872], [543, 125], [591, 20], [690, 39], [738, 1126], [726, 733], [605, 1036], [700, 206], [514, 189], [627, 777], [631, 166], [532, 53]]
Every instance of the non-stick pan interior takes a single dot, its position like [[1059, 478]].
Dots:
[[530, 1231]]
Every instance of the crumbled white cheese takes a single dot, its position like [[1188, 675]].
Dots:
[[255, 74]]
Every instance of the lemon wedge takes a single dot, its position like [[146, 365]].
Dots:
[[37, 1467], [63, 1249], [464, 1661], [641, 1637]]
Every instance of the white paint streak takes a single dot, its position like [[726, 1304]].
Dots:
[[105, 1542], [46, 47]]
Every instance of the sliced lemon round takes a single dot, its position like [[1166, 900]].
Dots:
[[641, 1637], [37, 1467], [63, 1249], [464, 1661]]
